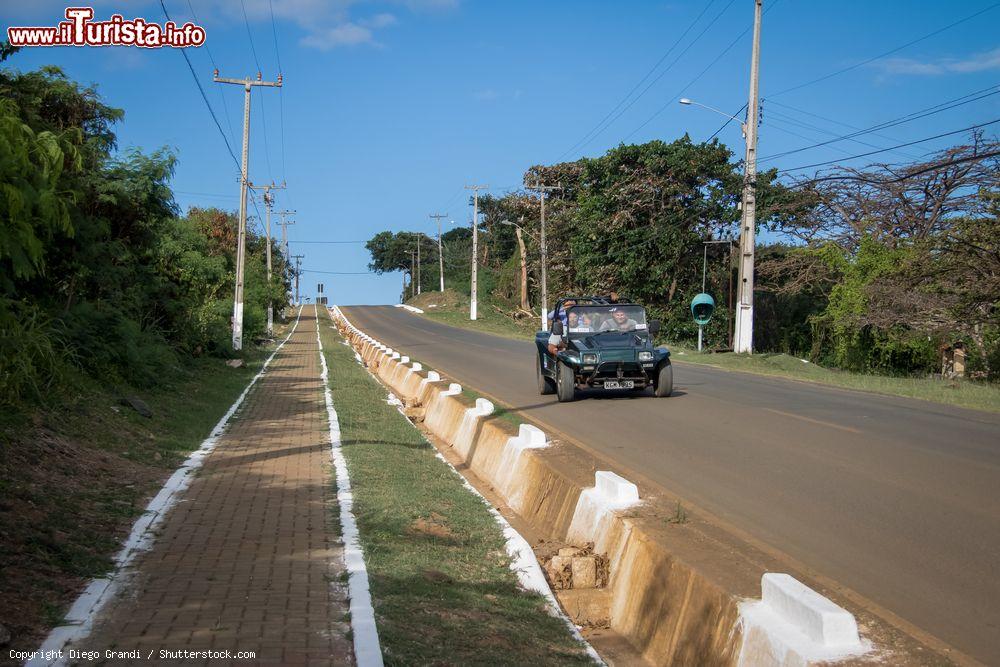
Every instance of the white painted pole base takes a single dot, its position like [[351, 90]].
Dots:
[[472, 311], [699, 337], [743, 339]]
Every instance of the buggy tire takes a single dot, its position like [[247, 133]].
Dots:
[[566, 385], [663, 384], [546, 385]]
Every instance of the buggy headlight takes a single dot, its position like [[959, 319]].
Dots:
[[590, 358], [645, 356]]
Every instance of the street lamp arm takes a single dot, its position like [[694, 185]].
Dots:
[[687, 101]]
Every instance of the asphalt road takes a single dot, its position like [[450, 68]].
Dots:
[[895, 498]]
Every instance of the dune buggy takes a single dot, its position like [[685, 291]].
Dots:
[[602, 345]]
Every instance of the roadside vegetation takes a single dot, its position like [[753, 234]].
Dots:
[[108, 292], [880, 271], [441, 581]]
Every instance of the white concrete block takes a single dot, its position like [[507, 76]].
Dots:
[[532, 436], [483, 407], [454, 389], [395, 355], [615, 488], [433, 376], [417, 366], [816, 616], [404, 360]]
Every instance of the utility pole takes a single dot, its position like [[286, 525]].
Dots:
[[247, 84], [298, 270], [542, 190], [412, 273], [438, 216], [284, 229], [268, 205], [419, 238], [744, 307], [475, 245]]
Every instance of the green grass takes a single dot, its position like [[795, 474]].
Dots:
[[440, 578], [960, 393], [453, 308], [74, 476], [963, 394]]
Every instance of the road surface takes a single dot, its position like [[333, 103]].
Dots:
[[895, 498]]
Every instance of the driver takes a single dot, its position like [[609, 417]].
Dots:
[[620, 321]]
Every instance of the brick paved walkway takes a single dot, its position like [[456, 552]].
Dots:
[[249, 559]]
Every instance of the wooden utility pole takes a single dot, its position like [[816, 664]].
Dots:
[[268, 205], [247, 84], [744, 306], [475, 246], [438, 216], [542, 190]]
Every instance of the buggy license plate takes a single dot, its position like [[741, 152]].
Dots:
[[619, 384]]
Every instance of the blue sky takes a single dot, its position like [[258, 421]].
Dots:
[[390, 107]]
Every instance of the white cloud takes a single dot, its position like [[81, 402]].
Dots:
[[381, 21], [345, 34], [486, 95], [979, 62]]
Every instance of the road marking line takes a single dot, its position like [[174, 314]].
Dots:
[[849, 429]]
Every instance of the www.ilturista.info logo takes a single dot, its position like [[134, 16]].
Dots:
[[80, 30]]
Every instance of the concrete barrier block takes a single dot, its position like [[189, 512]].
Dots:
[[404, 360], [417, 366], [395, 355], [483, 407], [615, 488], [454, 389], [433, 376], [817, 617]]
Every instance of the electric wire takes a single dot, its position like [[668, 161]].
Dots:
[[883, 150], [887, 53], [205, 97], [916, 115], [601, 126], [690, 83]]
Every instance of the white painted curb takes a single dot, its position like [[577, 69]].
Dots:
[[367, 651]]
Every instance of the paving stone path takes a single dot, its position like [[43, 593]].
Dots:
[[249, 558]]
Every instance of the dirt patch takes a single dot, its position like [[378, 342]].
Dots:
[[435, 526]]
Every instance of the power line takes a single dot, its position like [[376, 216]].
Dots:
[[204, 96], [281, 99], [341, 273], [597, 129], [728, 121], [211, 58], [809, 126], [246, 22], [348, 242], [887, 53], [916, 115], [690, 83], [888, 181], [909, 143]]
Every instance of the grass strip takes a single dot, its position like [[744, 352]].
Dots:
[[440, 576], [959, 393]]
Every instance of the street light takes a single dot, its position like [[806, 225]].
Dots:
[[514, 224], [689, 102]]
